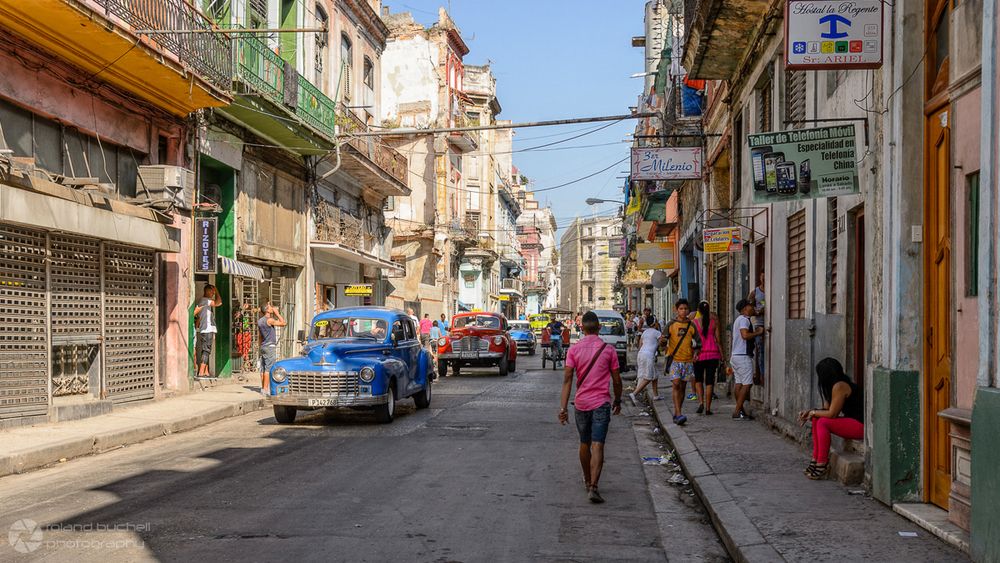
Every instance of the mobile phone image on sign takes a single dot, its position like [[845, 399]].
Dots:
[[771, 161], [785, 175], [757, 159], [805, 176]]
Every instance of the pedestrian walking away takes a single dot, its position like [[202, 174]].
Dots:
[[267, 326], [742, 356], [842, 414], [706, 368], [683, 342], [593, 363], [425, 330], [204, 314], [645, 361]]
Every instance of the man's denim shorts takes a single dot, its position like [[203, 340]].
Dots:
[[593, 425]]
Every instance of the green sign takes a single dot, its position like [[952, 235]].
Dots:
[[804, 164]]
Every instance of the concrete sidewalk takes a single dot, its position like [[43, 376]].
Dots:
[[26, 448], [765, 509]]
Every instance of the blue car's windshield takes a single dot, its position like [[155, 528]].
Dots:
[[349, 327]]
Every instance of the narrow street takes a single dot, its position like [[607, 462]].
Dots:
[[485, 474]]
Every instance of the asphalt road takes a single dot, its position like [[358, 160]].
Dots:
[[485, 474]]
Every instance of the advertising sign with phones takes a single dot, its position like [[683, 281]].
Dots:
[[837, 34], [804, 164]]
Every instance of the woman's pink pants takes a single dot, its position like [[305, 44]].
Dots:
[[843, 426]]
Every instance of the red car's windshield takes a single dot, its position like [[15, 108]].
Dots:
[[478, 321]]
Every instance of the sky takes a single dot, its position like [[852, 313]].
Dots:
[[557, 59]]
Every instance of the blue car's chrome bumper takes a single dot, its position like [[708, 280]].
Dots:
[[318, 401]]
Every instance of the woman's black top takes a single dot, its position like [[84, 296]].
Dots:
[[854, 404]]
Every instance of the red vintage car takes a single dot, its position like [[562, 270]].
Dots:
[[477, 340]]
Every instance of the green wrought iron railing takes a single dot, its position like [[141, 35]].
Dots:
[[260, 68], [315, 109]]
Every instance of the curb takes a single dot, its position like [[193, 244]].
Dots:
[[741, 537], [103, 441]]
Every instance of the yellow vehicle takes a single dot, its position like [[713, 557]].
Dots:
[[538, 322]]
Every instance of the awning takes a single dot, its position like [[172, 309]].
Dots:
[[242, 269], [340, 251]]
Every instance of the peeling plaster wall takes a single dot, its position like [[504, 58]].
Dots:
[[410, 76]]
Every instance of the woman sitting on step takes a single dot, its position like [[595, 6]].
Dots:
[[842, 414]]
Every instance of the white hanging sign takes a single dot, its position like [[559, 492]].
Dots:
[[823, 34]]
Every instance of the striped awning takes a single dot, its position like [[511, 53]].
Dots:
[[242, 269]]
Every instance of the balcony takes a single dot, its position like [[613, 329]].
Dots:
[[512, 286], [536, 287], [121, 40], [717, 34], [277, 102], [464, 141], [369, 159]]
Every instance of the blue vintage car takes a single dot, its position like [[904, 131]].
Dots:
[[523, 336], [366, 357]]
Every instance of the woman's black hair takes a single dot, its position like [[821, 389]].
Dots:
[[706, 317], [829, 372]]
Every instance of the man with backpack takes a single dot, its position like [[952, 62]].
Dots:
[[593, 363]]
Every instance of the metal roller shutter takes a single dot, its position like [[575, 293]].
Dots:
[[75, 274], [129, 365], [24, 358]]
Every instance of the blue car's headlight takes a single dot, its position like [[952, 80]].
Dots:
[[367, 374], [279, 375]]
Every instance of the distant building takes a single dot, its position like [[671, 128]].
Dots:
[[587, 273]]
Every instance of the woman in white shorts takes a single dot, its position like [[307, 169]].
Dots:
[[649, 341]]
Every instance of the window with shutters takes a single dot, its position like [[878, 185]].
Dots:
[[765, 119], [322, 53], [797, 266], [831, 252], [738, 144], [347, 59], [795, 96], [258, 14]]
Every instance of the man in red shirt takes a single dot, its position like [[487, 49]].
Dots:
[[594, 363]]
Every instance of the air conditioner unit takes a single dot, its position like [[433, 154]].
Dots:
[[167, 183]]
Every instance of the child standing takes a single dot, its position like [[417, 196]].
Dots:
[[683, 342]]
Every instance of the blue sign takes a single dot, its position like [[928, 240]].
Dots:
[[833, 20], [206, 245]]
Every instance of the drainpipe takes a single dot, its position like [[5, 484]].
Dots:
[[988, 336]]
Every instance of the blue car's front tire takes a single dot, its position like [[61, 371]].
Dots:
[[284, 414], [423, 398]]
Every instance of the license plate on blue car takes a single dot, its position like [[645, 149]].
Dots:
[[322, 402]]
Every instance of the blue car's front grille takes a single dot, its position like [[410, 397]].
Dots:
[[322, 383]]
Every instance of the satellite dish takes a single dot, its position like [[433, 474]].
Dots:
[[659, 279]]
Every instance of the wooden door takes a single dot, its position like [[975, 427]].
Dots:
[[937, 307]]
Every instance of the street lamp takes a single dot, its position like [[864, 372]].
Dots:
[[595, 201]]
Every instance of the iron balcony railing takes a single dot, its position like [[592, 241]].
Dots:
[[207, 54], [385, 157], [267, 74], [260, 68], [315, 109], [511, 285]]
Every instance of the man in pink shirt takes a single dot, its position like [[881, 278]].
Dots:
[[425, 330], [594, 363]]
